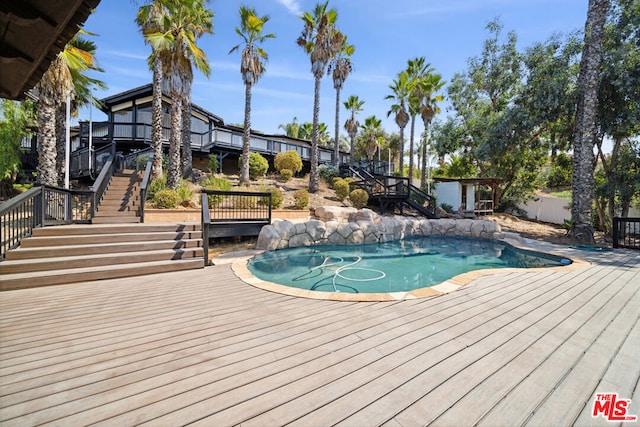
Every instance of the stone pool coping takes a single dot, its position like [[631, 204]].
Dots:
[[238, 261]]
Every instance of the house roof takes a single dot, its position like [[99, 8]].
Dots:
[[145, 91], [32, 33]]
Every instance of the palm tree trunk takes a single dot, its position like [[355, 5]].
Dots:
[[314, 179], [47, 142], [246, 136], [336, 142], [156, 119], [401, 151], [173, 174], [187, 157], [352, 138], [61, 143], [585, 126], [425, 152], [413, 128]]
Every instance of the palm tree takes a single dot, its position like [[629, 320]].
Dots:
[[401, 88], [148, 20], [66, 72], [429, 85], [320, 40], [305, 131], [251, 68], [371, 134], [182, 23], [291, 129], [585, 125], [417, 69], [354, 105], [340, 67]]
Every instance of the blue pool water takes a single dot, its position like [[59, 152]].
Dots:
[[398, 266]]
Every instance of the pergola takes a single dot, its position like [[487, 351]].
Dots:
[[32, 33]]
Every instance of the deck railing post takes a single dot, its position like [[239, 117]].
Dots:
[[205, 222]]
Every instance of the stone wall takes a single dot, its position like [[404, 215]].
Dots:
[[340, 226]]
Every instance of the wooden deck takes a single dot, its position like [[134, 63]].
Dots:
[[202, 347]]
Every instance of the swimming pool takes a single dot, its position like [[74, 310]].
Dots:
[[398, 266]]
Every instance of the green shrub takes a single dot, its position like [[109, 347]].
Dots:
[[276, 197], [288, 160], [341, 187], [216, 183], [328, 172], [184, 192], [359, 198], [301, 198], [350, 180], [156, 185], [286, 175], [258, 165], [214, 165], [334, 180], [166, 199]]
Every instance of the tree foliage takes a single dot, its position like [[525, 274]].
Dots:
[[15, 119]]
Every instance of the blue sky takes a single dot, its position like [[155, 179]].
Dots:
[[385, 34]]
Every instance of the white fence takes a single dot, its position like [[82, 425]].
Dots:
[[554, 209], [547, 209]]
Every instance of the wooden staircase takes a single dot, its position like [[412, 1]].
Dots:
[[77, 253], [121, 201]]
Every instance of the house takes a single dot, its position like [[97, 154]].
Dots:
[[128, 129], [470, 195]]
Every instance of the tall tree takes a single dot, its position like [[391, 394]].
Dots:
[[429, 85], [183, 22], [66, 72], [619, 107], [149, 20], [251, 67], [372, 134], [340, 67], [585, 126], [401, 88], [417, 69], [354, 105], [320, 40]]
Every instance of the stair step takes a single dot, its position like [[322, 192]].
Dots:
[[107, 238], [79, 229], [74, 275], [100, 249], [116, 220], [95, 260], [118, 212]]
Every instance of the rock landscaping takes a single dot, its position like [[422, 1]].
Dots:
[[335, 225]]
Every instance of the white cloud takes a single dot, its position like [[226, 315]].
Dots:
[[292, 6]]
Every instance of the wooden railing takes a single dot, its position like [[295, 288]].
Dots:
[[626, 233], [41, 206]]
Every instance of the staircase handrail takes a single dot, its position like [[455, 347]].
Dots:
[[20, 215], [146, 178], [130, 158], [102, 182], [40, 206], [427, 201]]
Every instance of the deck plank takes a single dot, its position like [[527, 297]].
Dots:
[[201, 346]]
